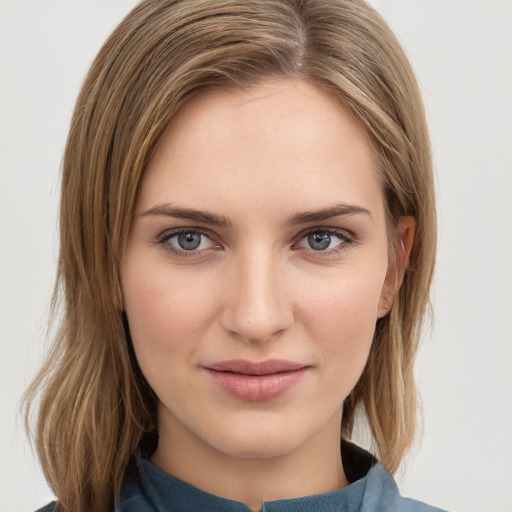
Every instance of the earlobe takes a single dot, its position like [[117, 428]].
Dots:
[[386, 300], [405, 237]]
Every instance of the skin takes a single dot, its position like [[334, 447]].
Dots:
[[254, 288]]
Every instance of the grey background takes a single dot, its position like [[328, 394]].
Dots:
[[462, 53]]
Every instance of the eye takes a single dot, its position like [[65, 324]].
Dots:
[[189, 241], [324, 240], [185, 241]]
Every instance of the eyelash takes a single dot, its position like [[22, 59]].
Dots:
[[167, 236], [346, 239]]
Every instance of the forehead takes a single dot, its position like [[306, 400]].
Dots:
[[280, 140]]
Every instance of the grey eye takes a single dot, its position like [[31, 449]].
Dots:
[[319, 241], [189, 241], [324, 240]]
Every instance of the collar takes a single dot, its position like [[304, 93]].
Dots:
[[166, 492]]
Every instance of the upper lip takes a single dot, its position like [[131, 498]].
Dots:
[[244, 367]]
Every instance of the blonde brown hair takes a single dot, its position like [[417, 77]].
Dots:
[[95, 406]]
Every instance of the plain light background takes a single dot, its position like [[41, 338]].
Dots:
[[462, 53]]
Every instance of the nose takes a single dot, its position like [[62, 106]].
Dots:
[[257, 298]]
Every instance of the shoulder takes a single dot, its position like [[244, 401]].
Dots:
[[382, 495], [51, 507]]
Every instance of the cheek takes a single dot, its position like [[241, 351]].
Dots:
[[341, 317], [166, 315], [350, 300]]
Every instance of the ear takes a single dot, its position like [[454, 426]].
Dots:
[[396, 269]]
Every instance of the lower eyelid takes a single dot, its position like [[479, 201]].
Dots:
[[172, 248], [346, 240]]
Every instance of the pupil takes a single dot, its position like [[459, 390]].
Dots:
[[189, 241], [319, 241]]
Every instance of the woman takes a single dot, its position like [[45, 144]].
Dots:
[[247, 244]]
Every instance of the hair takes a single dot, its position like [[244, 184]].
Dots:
[[94, 406]]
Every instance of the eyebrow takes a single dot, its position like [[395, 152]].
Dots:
[[220, 221], [189, 214], [328, 213]]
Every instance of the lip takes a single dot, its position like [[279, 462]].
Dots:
[[256, 381]]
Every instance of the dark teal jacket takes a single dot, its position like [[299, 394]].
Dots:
[[372, 489]]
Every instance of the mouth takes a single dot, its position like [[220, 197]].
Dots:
[[256, 381]]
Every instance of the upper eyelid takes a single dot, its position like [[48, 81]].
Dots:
[[207, 232], [169, 233], [324, 229]]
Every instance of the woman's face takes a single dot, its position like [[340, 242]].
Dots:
[[256, 268]]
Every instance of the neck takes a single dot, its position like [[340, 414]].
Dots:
[[312, 468]]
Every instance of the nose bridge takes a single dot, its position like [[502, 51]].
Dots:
[[258, 304]]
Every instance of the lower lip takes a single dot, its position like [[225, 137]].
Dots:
[[256, 388]]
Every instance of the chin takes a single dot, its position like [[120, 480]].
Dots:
[[262, 442], [258, 449]]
